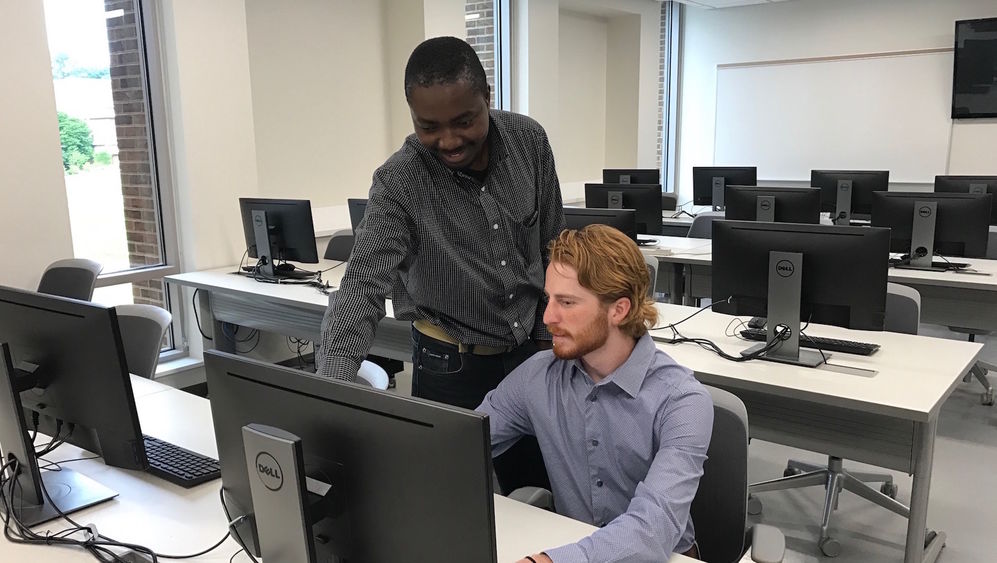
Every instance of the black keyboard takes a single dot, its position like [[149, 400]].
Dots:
[[177, 465], [818, 343], [935, 264]]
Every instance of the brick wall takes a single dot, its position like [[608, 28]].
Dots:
[[662, 44], [134, 157], [481, 36]]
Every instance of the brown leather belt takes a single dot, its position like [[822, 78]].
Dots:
[[429, 329]]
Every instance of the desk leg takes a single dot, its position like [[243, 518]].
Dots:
[[916, 551], [212, 327], [685, 277], [676, 284]]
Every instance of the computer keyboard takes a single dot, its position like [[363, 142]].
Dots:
[[904, 262], [819, 343], [646, 242], [177, 465]]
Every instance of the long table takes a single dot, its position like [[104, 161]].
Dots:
[[880, 409], [151, 512]]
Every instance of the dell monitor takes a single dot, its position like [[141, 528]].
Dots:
[[282, 228], [969, 185], [782, 205], [924, 224], [645, 199], [790, 273], [64, 359], [624, 220], [848, 192], [387, 478], [631, 176], [358, 206], [710, 182]]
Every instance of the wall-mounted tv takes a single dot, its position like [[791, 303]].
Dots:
[[974, 83]]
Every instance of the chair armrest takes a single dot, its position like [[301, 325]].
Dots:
[[768, 545], [534, 496]]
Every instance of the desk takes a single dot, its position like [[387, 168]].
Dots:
[[887, 418], [290, 310], [169, 519]]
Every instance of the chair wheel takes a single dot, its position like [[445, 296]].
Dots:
[[830, 547], [754, 506], [890, 490], [987, 398], [790, 471]]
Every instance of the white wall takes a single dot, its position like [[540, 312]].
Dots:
[[623, 68], [34, 216], [580, 143], [319, 94], [404, 30], [814, 28]]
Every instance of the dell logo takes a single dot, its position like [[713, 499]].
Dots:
[[269, 471], [765, 204], [924, 211], [785, 268], [258, 220]]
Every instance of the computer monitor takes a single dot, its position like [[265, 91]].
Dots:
[[409, 477], [70, 373], [923, 224], [969, 185], [788, 272], [357, 207], [283, 227], [624, 220], [782, 205], [645, 199], [710, 182], [848, 192], [631, 176]]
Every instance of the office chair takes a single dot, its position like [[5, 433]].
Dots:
[[669, 201], [702, 225], [903, 315], [72, 277], [719, 510], [372, 375], [142, 329], [340, 246], [652, 270]]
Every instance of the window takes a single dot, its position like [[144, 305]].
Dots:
[[108, 92], [668, 93], [486, 23]]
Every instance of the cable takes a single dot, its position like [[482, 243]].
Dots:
[[233, 530], [57, 465], [193, 304]]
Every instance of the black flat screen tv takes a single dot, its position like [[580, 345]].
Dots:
[[974, 81]]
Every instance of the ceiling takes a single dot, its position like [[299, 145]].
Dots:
[[725, 3]]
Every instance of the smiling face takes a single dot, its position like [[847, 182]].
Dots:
[[451, 119], [576, 318]]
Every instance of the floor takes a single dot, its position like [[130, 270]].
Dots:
[[963, 489]]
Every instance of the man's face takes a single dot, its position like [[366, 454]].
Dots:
[[452, 121], [577, 319]]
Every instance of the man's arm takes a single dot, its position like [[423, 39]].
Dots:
[[506, 406], [351, 318], [551, 223], [657, 516]]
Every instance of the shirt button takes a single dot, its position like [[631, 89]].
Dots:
[[502, 262], [510, 296], [495, 226], [515, 325], [598, 482], [593, 398], [595, 442], [482, 188]]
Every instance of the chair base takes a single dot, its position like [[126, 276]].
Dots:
[[979, 371], [834, 478]]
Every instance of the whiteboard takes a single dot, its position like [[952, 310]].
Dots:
[[866, 112]]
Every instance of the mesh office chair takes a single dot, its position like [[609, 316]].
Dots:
[[373, 375], [142, 330], [669, 201], [702, 225], [340, 246], [652, 270], [719, 508], [903, 314], [980, 369], [72, 277]]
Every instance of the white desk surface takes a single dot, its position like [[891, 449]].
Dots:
[[913, 374], [682, 250], [169, 519]]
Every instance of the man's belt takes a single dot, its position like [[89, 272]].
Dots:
[[429, 329]]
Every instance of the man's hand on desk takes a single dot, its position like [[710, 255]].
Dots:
[[538, 557]]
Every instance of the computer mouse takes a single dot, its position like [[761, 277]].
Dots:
[[756, 322], [284, 267]]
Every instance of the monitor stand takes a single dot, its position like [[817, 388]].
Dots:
[[784, 296], [68, 490], [765, 208], [922, 236], [719, 184], [843, 207], [261, 231]]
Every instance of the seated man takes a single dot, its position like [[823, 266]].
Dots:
[[623, 429]]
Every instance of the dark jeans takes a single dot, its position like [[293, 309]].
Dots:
[[440, 373]]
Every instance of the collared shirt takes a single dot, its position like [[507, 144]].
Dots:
[[625, 454], [468, 256]]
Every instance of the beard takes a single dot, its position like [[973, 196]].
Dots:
[[589, 339]]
